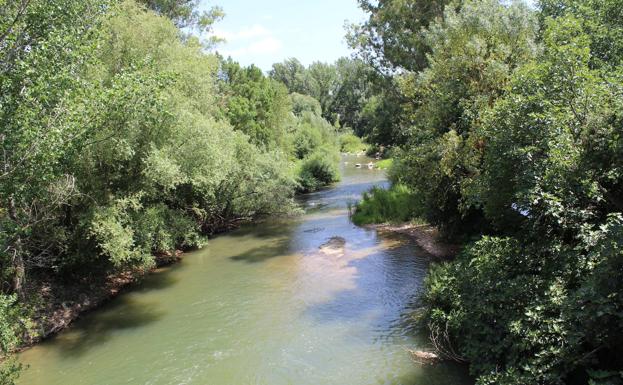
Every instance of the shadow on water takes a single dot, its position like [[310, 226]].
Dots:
[[262, 230], [263, 253], [159, 279], [118, 315], [448, 373]]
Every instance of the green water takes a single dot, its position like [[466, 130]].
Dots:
[[267, 304]]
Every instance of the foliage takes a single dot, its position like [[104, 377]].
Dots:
[[474, 52], [357, 83], [292, 74], [256, 105], [185, 14], [514, 138], [318, 169], [381, 205], [392, 36], [12, 326], [384, 164], [123, 138], [342, 88], [310, 132], [302, 104], [383, 115], [352, 144], [528, 312]]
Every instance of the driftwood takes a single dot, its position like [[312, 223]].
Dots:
[[442, 344]]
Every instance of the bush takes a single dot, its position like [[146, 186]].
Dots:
[[379, 205], [302, 104], [318, 170], [385, 164], [13, 323], [307, 139], [351, 143], [508, 300]]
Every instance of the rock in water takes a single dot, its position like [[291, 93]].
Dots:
[[334, 246]]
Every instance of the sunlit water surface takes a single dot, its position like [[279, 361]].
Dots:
[[312, 300]]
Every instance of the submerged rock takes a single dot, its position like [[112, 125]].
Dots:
[[424, 357], [334, 246]]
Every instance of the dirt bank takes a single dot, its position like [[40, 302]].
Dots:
[[426, 236], [57, 304]]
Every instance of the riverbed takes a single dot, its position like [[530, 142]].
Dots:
[[308, 300]]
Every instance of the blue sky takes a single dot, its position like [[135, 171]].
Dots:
[[269, 31]]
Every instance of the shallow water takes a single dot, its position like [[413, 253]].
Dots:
[[312, 300]]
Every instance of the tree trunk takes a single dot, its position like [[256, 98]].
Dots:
[[17, 261]]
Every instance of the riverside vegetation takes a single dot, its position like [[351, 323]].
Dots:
[[125, 137], [510, 139]]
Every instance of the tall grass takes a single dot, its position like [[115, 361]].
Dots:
[[384, 164], [379, 205]]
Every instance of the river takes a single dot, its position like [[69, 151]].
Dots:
[[309, 300]]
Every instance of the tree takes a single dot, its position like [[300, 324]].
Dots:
[[355, 88], [256, 105], [540, 301], [474, 52], [392, 37], [185, 13], [39, 83], [292, 74]]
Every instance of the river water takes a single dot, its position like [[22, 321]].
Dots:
[[310, 300]]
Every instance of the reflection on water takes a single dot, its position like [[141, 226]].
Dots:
[[313, 300]]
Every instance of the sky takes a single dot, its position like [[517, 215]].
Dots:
[[269, 31]]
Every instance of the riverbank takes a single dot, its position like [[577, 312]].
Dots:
[[305, 300], [53, 305], [56, 305], [426, 236]]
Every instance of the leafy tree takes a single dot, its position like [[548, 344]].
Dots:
[[302, 104], [256, 105], [540, 304], [185, 13], [39, 81], [292, 74], [474, 52], [392, 36], [355, 81], [322, 84], [600, 20]]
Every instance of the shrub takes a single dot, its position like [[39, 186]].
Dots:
[[385, 164], [379, 205], [351, 143], [547, 311], [307, 139], [302, 104], [318, 170], [13, 323]]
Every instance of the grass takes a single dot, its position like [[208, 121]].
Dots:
[[384, 164], [394, 205]]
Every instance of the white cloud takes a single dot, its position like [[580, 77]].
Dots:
[[267, 45], [249, 40]]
